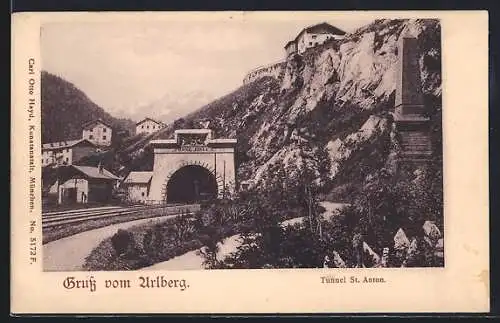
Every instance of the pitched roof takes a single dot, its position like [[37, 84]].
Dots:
[[138, 177], [291, 42], [325, 25], [146, 119], [64, 144], [86, 124], [93, 172]]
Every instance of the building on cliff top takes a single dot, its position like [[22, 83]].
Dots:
[[309, 37], [312, 36]]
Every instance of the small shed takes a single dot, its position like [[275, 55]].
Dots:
[[137, 185], [84, 184]]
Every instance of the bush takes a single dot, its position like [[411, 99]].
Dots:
[[158, 236], [184, 227], [122, 241], [147, 242], [192, 245]]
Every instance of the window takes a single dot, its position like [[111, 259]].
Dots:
[[310, 43], [142, 194], [91, 137], [148, 127], [90, 130], [103, 137], [314, 36], [142, 127], [67, 159], [103, 129]]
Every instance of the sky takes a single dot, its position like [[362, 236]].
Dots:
[[171, 65]]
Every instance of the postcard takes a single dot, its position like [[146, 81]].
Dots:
[[250, 162]]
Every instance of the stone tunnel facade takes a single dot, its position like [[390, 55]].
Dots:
[[172, 155]]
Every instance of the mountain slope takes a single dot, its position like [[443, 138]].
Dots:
[[335, 100], [65, 109]]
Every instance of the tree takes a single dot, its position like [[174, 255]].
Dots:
[[265, 243], [375, 207]]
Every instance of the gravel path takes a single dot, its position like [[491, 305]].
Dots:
[[191, 261], [68, 254]]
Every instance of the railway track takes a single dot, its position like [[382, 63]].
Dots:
[[53, 219]]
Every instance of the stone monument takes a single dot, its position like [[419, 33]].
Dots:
[[412, 123]]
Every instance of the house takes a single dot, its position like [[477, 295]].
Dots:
[[148, 125], [315, 35], [137, 185], [97, 132], [312, 36], [66, 152], [83, 184]]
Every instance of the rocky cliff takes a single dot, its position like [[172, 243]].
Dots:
[[330, 111]]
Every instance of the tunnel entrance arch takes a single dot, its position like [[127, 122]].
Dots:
[[191, 184], [192, 166]]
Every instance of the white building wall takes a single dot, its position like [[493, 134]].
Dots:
[[137, 192], [61, 156], [291, 49], [301, 43], [66, 156], [53, 188], [81, 186], [47, 157], [148, 126], [99, 134], [309, 40]]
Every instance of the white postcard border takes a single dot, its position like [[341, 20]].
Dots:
[[462, 286]]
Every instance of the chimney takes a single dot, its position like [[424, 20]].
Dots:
[[100, 168]]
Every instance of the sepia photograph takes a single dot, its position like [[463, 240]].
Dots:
[[280, 162], [241, 144]]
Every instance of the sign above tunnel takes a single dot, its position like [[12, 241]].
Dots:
[[190, 141], [194, 140]]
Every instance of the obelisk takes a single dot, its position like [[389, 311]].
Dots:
[[412, 123]]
